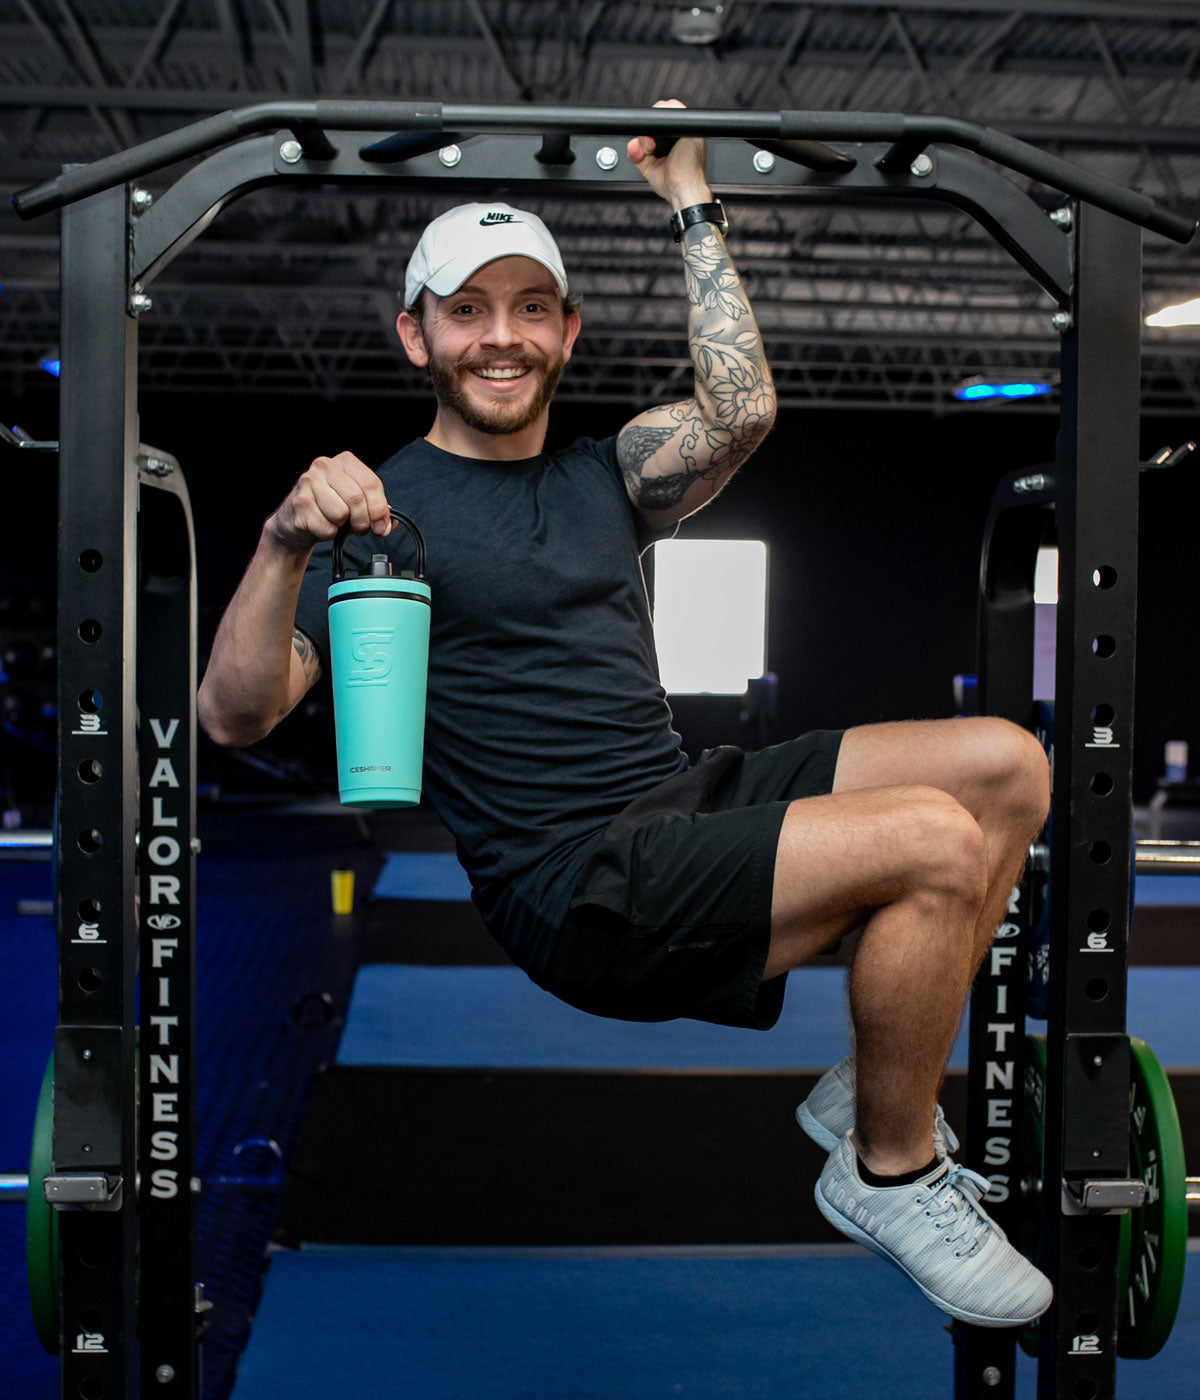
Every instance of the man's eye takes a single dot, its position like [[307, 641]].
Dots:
[[464, 308], [537, 307]]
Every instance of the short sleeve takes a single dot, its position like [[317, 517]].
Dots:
[[606, 450]]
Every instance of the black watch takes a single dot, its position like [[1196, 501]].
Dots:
[[713, 213]]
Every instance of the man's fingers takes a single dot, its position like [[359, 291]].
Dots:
[[378, 512], [345, 491]]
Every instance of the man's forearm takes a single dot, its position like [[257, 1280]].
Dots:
[[734, 392], [677, 457], [248, 686]]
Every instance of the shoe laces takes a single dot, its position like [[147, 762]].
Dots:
[[955, 1197]]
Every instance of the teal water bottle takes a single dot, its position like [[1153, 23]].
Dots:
[[379, 658]]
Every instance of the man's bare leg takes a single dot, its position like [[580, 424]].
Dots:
[[999, 774], [927, 870]]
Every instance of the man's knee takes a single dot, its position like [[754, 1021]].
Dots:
[[1020, 768], [950, 858]]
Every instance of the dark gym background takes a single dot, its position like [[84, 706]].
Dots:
[[873, 522]]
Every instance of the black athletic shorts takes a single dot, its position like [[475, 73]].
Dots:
[[672, 913]]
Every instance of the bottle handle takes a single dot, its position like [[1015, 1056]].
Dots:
[[340, 539]]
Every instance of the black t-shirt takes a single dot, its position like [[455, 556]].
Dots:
[[545, 714]]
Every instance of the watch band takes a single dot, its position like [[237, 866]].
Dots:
[[713, 213]]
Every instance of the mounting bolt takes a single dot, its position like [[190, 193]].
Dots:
[[991, 1375], [764, 162], [450, 156], [1097, 1060], [142, 200], [1062, 217], [291, 151], [139, 302], [1062, 320], [923, 165], [155, 466], [85, 1054], [195, 841], [165, 1375], [606, 158]]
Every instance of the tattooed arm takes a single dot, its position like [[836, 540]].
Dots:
[[675, 459]]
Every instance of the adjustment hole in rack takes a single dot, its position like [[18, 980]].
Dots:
[[1098, 920], [90, 702], [90, 561], [90, 770], [1085, 1390], [89, 841], [1086, 1323], [92, 1320], [1103, 714], [89, 980], [1101, 784], [89, 909], [90, 630], [1088, 1258], [1096, 988], [1100, 852], [1105, 576], [1104, 646], [91, 1388]]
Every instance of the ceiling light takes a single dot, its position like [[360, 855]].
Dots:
[[1183, 313], [976, 388], [699, 23]]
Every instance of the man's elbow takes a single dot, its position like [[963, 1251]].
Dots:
[[763, 414], [229, 731]]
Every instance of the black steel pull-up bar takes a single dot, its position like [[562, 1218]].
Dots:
[[311, 121]]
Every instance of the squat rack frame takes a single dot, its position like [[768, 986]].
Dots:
[[121, 1338]]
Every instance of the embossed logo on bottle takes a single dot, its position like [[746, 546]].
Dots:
[[371, 647]]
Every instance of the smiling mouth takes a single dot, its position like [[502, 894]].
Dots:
[[501, 375]]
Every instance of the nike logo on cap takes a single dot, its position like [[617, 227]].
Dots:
[[496, 218]]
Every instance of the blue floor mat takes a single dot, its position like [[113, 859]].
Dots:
[[421, 875], [697, 1324], [494, 1016]]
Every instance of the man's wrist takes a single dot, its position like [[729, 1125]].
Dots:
[[279, 544], [697, 194], [711, 212]]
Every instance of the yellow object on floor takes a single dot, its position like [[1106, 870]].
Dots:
[[342, 882]]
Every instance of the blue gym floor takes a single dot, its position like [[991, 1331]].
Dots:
[[649, 1325]]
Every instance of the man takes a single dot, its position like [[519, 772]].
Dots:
[[620, 877]]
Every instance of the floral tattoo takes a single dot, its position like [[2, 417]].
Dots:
[[667, 452]]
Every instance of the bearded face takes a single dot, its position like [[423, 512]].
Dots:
[[520, 389]]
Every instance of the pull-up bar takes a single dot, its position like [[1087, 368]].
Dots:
[[310, 123]]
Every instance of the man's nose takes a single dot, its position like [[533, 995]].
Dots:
[[501, 329]]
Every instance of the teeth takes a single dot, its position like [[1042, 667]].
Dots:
[[501, 373]]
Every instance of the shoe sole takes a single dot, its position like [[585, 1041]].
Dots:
[[853, 1232], [816, 1130]]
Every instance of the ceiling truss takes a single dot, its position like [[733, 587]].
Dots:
[[860, 308]]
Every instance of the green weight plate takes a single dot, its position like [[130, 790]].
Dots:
[[41, 1222], [1154, 1238]]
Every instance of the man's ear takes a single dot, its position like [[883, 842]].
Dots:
[[412, 339], [570, 331]]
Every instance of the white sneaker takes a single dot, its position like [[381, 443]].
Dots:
[[827, 1115], [937, 1232]]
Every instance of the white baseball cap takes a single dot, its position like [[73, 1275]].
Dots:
[[460, 241]]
